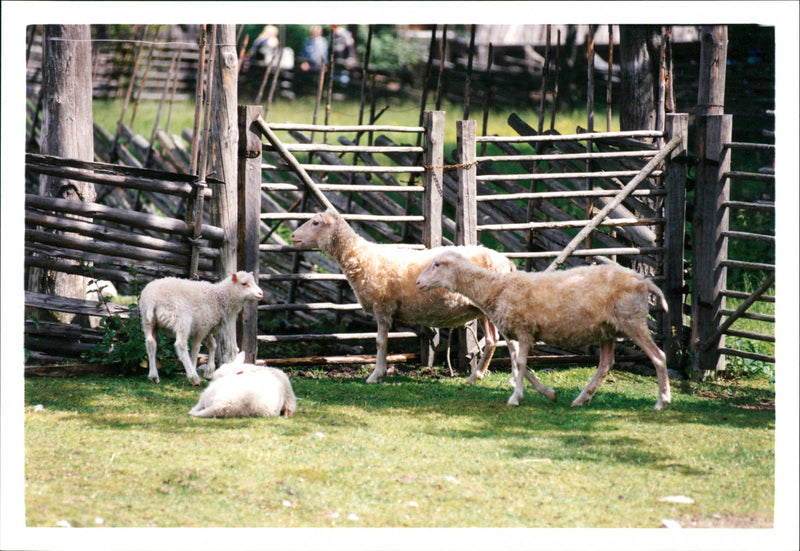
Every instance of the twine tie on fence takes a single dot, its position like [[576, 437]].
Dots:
[[445, 167]]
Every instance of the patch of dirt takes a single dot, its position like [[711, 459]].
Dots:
[[725, 521]]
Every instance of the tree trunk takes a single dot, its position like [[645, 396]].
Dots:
[[66, 131], [224, 148], [640, 54]]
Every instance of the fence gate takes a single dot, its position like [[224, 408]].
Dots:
[[382, 190], [733, 300], [554, 200]]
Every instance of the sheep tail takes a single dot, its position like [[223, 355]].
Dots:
[[656, 290]]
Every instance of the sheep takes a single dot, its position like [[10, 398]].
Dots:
[[577, 307], [383, 276], [192, 310], [246, 390]]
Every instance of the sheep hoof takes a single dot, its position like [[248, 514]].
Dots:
[[472, 379], [195, 380], [373, 380], [578, 402], [659, 406], [155, 379], [513, 401], [552, 396]]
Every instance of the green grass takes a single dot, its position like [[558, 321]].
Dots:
[[301, 110], [409, 452]]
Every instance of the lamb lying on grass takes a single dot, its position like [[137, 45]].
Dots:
[[246, 390], [577, 307], [192, 310], [383, 278]]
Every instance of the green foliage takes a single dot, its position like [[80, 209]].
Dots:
[[746, 367], [122, 344], [122, 340]]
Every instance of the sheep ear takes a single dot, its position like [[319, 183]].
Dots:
[[239, 358], [233, 277]]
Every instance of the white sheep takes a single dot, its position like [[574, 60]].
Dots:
[[577, 307], [192, 310], [246, 390], [383, 278]]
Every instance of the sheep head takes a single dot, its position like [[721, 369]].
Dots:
[[247, 286], [441, 272], [316, 231]]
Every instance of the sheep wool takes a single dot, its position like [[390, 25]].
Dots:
[[192, 310], [572, 308], [383, 279], [246, 390]]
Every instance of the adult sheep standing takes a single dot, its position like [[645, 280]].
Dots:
[[383, 278], [576, 307], [192, 310]]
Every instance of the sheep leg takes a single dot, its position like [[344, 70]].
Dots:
[[522, 358], [151, 344], [211, 344], [491, 337], [382, 342], [659, 359], [606, 361], [541, 388], [181, 337]]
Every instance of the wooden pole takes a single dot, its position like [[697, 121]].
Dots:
[[432, 160], [610, 76], [713, 60], [467, 225], [674, 235], [249, 210], [224, 147], [442, 55], [468, 80], [710, 218], [66, 132]]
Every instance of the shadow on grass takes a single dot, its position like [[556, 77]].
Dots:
[[120, 402]]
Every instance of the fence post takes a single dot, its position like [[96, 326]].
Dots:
[[710, 249], [674, 234], [433, 158], [223, 144], [466, 226], [249, 186]]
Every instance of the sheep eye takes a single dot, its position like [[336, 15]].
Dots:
[[315, 222]]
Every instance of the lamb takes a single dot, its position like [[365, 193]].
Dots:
[[577, 307], [192, 310], [383, 277], [246, 390]]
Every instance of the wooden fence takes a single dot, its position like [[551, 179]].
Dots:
[[99, 241], [596, 196], [312, 290], [714, 238]]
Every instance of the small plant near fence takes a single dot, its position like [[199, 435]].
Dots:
[[122, 340]]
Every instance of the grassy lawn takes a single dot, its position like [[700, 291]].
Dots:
[[411, 452]]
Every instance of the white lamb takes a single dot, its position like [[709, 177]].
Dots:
[[192, 310], [576, 307], [246, 390], [383, 278]]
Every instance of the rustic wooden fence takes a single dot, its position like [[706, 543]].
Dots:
[[103, 241], [307, 288], [588, 196], [714, 237]]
